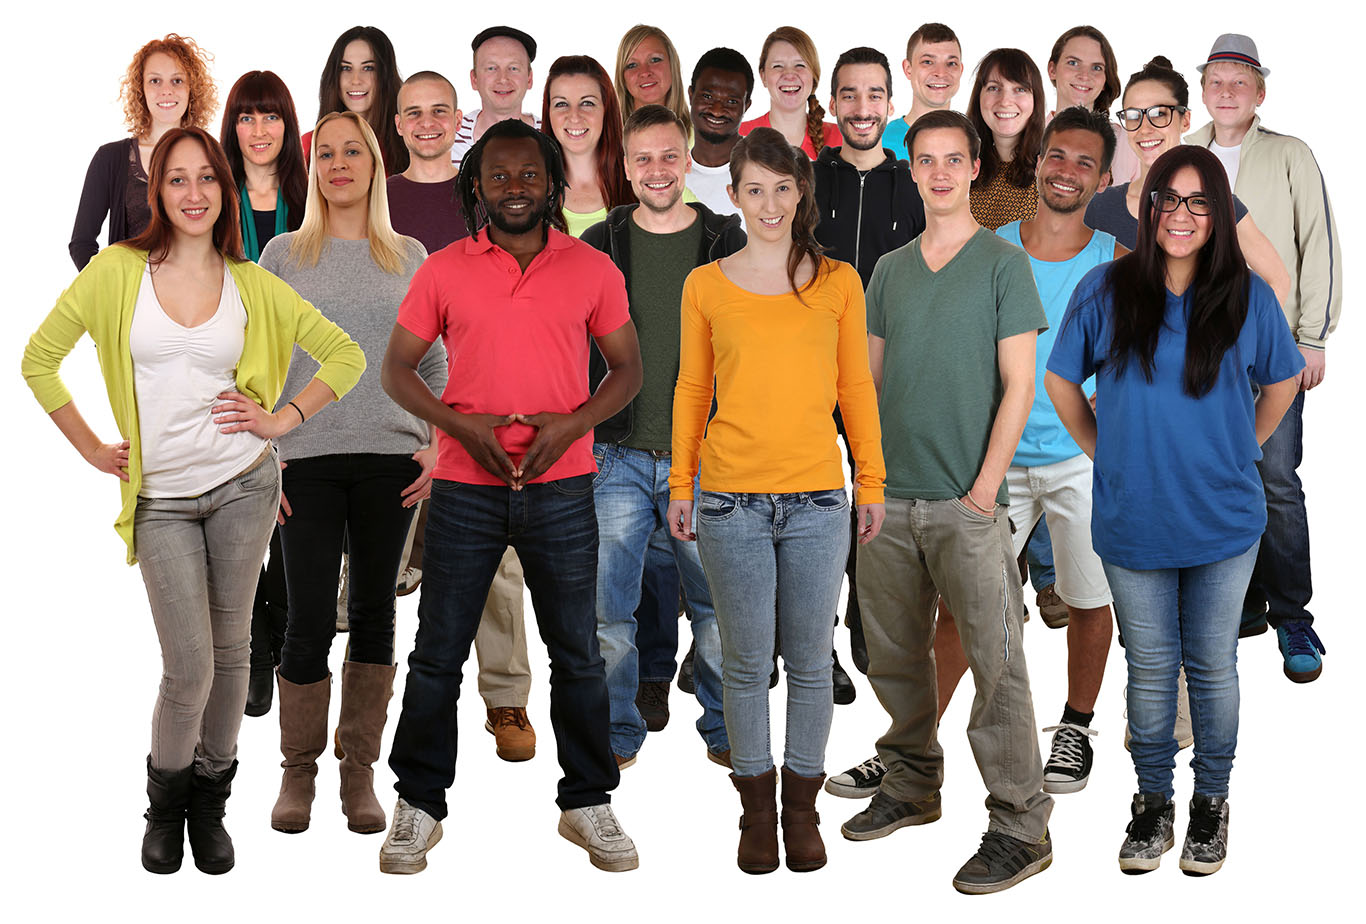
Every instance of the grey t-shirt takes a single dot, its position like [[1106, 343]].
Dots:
[[941, 384], [352, 291]]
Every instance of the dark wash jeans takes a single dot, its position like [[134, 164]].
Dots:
[[554, 529], [1281, 578], [341, 499]]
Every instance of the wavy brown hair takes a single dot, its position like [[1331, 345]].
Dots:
[[610, 162], [203, 94], [160, 233], [1014, 65], [815, 112]]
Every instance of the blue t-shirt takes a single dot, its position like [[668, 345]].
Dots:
[[1176, 482], [894, 138], [1045, 440]]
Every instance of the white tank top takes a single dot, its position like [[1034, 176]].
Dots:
[[178, 373]]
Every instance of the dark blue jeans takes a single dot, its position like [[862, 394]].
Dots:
[[1281, 578], [554, 529]]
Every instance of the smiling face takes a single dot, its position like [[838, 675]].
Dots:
[[576, 113], [787, 77], [861, 104], [718, 102], [165, 88], [427, 118], [767, 200], [501, 75], [345, 165], [1231, 94], [1068, 173], [1006, 106], [190, 190], [358, 80], [943, 169], [1079, 73], [657, 165], [934, 71], [1181, 234], [513, 184], [647, 73], [1150, 143], [259, 137]]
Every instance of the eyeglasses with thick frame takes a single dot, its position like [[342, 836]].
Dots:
[[1157, 116], [1198, 204]]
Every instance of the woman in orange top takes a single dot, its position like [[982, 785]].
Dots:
[[782, 333]]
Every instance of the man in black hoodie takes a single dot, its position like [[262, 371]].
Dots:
[[655, 245], [869, 205]]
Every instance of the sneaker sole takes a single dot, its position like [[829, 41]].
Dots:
[[511, 755], [1304, 677], [1064, 785], [1135, 866], [404, 867], [624, 764], [404, 590], [986, 888], [1056, 622], [885, 830], [1200, 867], [1248, 630], [848, 791], [612, 866]]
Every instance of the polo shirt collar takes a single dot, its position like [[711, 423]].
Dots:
[[481, 243]]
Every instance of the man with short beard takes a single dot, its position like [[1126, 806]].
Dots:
[[515, 469], [722, 83]]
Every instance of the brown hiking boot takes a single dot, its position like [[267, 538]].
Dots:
[[512, 732], [801, 837], [758, 851], [1051, 607]]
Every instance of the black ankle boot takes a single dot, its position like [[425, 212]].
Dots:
[[685, 671], [209, 841], [168, 793], [844, 687], [260, 690]]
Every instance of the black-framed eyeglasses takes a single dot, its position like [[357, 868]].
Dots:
[[1158, 116], [1200, 204]]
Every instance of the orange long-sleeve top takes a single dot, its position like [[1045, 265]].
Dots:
[[779, 366]]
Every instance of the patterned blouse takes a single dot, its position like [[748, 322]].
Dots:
[[999, 202]]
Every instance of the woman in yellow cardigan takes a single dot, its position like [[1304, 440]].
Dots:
[[194, 343]]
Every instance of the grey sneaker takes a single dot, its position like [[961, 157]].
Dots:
[[1054, 612], [596, 830], [885, 814], [1001, 862], [1149, 834], [858, 782], [408, 581], [412, 834], [1207, 837]]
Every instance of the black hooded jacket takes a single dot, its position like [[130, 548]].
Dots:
[[865, 215]]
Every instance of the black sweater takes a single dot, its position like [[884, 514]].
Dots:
[[105, 182], [865, 215]]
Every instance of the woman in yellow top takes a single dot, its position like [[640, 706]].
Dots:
[[782, 333], [194, 343]]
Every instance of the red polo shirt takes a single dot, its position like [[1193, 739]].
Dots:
[[517, 342]]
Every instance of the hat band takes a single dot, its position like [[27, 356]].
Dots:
[[1234, 56]]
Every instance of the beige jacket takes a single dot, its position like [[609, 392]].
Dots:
[[1280, 182]]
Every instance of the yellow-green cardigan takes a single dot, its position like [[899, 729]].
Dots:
[[100, 302]]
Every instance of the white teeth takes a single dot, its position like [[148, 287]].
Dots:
[[863, 126], [1174, 232], [789, 88], [1062, 187], [771, 222], [576, 132], [428, 137], [1149, 145], [1006, 115], [662, 185], [195, 213]]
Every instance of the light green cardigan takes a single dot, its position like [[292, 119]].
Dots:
[[100, 302]]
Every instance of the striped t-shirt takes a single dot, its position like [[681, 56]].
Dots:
[[464, 135]]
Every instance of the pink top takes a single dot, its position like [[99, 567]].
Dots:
[[832, 139], [516, 342]]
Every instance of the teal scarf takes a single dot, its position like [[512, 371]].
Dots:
[[249, 242]]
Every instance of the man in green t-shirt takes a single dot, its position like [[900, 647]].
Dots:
[[952, 321]]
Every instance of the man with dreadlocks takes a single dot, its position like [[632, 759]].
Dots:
[[515, 305]]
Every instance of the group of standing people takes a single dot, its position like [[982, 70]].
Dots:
[[1004, 315]]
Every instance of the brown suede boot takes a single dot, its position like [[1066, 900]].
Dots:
[[303, 736], [759, 824], [366, 689], [801, 838]]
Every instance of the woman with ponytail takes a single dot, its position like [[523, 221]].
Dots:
[[790, 70], [777, 333]]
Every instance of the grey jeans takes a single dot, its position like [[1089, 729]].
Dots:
[[933, 548], [200, 559]]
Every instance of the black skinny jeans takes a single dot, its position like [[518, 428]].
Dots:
[[350, 498]]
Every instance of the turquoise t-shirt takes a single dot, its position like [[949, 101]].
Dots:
[[1175, 483], [894, 138], [1045, 440]]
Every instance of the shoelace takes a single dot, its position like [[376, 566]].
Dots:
[[1301, 639], [507, 715], [1204, 825], [1146, 823], [1068, 745], [870, 768], [1003, 850], [405, 824], [604, 822]]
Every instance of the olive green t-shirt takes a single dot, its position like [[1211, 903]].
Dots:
[[659, 265], [941, 383]]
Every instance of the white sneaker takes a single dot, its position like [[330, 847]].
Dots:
[[408, 581], [412, 834], [596, 830]]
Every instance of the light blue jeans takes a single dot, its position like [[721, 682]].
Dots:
[[1175, 616], [631, 496], [775, 560]]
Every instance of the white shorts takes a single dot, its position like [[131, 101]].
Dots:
[[1061, 490]]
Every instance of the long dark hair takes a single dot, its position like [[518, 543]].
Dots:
[[470, 205], [383, 106], [613, 185], [1218, 293], [767, 148], [1014, 65], [264, 92], [227, 229]]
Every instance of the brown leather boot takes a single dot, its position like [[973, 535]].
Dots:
[[303, 736], [801, 838], [366, 689], [759, 824]]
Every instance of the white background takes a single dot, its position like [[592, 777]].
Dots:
[[82, 659]]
